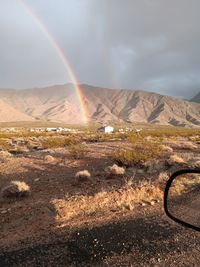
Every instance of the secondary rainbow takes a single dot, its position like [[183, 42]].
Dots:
[[63, 58]]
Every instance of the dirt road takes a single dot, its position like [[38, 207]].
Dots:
[[139, 241]]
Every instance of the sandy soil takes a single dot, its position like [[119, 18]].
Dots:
[[39, 231]]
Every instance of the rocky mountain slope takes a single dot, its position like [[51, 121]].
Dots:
[[61, 104], [196, 98]]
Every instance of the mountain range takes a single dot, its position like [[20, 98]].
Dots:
[[196, 98], [60, 103]]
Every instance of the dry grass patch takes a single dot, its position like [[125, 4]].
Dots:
[[175, 159], [166, 149], [16, 189], [77, 151], [5, 155], [4, 144], [196, 164], [163, 177], [184, 183], [125, 198], [59, 141], [168, 132], [140, 153], [115, 170], [49, 159], [83, 176], [188, 146]]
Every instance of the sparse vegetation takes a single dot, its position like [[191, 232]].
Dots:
[[49, 159], [184, 183], [4, 145], [67, 198], [175, 159], [59, 141], [168, 132], [77, 151], [16, 189], [188, 146], [196, 164], [138, 154], [5, 155], [125, 198], [115, 170], [83, 176], [166, 149]]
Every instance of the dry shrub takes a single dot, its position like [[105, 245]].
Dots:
[[163, 177], [4, 144], [83, 176], [167, 132], [196, 164], [49, 159], [188, 146], [115, 170], [124, 198], [193, 138], [77, 151], [184, 183], [167, 149], [140, 153], [16, 189], [5, 155], [175, 159], [59, 141]]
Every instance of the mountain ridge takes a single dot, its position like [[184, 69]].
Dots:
[[60, 103], [196, 98]]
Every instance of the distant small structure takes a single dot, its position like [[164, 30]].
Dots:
[[51, 129], [138, 130], [105, 129]]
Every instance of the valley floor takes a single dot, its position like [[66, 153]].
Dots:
[[97, 221]]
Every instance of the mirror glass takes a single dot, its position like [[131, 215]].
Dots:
[[184, 198]]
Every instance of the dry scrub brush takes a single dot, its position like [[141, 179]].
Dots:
[[184, 183], [59, 141], [49, 159], [115, 170], [5, 155], [175, 159], [140, 152], [188, 146], [77, 151], [124, 198], [170, 132], [196, 164], [83, 176], [166, 149], [16, 189]]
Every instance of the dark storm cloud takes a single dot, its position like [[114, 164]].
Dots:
[[137, 44]]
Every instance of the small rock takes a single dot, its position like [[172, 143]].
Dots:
[[4, 211], [152, 202]]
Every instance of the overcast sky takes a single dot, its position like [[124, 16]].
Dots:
[[134, 44]]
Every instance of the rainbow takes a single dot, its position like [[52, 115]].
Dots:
[[62, 56]]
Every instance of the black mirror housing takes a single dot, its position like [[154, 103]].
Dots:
[[166, 197]]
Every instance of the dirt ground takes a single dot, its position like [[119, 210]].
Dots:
[[64, 222]]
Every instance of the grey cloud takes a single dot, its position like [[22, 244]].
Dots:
[[147, 44]]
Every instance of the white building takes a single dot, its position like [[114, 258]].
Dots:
[[105, 129], [51, 129]]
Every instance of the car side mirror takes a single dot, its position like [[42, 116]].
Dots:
[[182, 198]]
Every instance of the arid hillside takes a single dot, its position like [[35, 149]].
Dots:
[[196, 98], [61, 104]]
